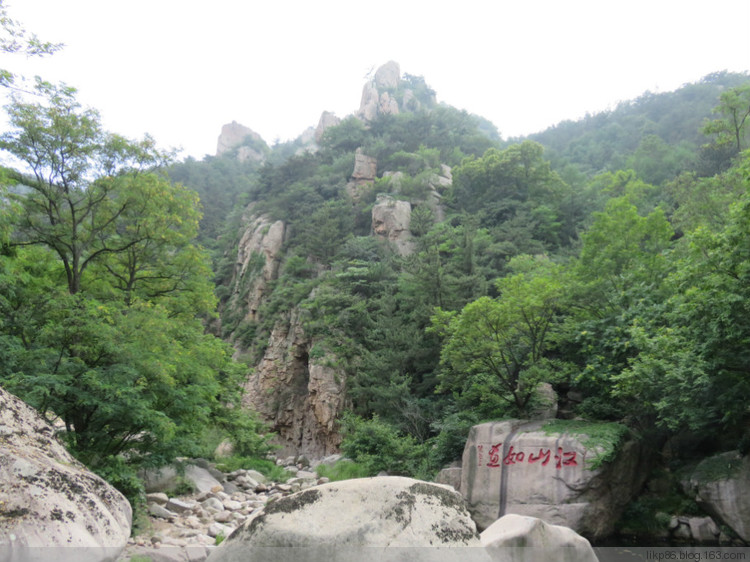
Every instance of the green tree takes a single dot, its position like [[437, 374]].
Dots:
[[72, 203], [734, 107], [14, 39], [103, 292], [495, 348]]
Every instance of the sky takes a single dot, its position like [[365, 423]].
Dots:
[[180, 69]]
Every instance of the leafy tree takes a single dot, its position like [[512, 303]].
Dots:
[[74, 200], [495, 349], [14, 39], [102, 292], [734, 107]]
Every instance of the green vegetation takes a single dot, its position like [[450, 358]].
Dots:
[[607, 258], [104, 293], [718, 467], [343, 470], [604, 436], [267, 468]]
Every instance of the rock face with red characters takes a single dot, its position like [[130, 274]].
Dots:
[[549, 471]]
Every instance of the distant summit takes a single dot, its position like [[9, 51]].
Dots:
[[248, 145], [388, 94]]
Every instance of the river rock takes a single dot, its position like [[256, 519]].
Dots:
[[363, 515], [519, 538], [720, 486], [51, 506], [519, 467]]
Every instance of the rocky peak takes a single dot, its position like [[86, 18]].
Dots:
[[327, 119], [388, 75], [376, 98], [248, 143], [388, 94]]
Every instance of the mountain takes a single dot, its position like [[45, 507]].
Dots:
[[345, 241]]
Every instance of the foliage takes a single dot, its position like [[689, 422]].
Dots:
[[103, 292], [378, 447], [343, 470], [495, 348], [266, 467], [734, 108], [14, 39], [609, 140], [604, 436]]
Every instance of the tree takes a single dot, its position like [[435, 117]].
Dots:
[[103, 291], [734, 107], [495, 349], [14, 39], [74, 198]]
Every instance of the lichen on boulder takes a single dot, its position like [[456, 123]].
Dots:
[[362, 515], [51, 506]]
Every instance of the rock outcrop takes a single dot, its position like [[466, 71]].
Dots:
[[248, 143], [377, 95], [51, 506], [388, 75], [363, 517], [327, 119], [720, 486], [363, 175], [387, 94], [258, 259], [519, 538], [522, 468], [298, 396], [390, 221]]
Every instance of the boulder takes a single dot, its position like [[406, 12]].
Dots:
[[377, 98], [519, 538], [450, 476], [359, 518], [51, 506], [168, 478], [720, 486], [525, 468]]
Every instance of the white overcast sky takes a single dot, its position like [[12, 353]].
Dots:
[[180, 69]]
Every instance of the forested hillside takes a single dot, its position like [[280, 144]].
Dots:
[[602, 257], [384, 285]]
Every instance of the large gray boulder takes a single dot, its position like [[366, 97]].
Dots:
[[518, 538], [51, 506], [720, 485], [378, 518], [529, 468]]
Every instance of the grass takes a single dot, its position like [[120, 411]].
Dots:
[[606, 436], [267, 468], [718, 467], [342, 470]]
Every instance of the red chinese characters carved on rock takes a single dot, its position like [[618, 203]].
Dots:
[[562, 458]]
